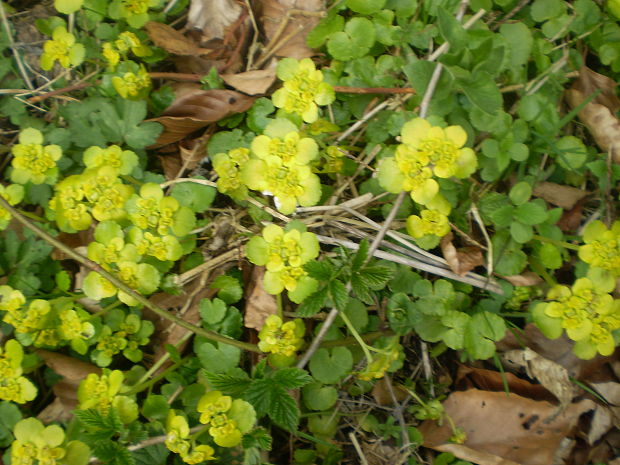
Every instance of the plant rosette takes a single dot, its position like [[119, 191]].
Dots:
[[586, 311], [34, 162], [284, 253]]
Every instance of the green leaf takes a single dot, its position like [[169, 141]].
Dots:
[[319, 397], [520, 193], [291, 378], [543, 10], [354, 42], [321, 271], [234, 383], [217, 356], [571, 153], [269, 398], [519, 38], [502, 217], [531, 213], [481, 89], [451, 30], [520, 232], [155, 407], [155, 454], [508, 257], [68, 6], [365, 7], [76, 453], [212, 311], [357, 313], [230, 290], [326, 27], [376, 276], [519, 152], [481, 333], [257, 118], [329, 368], [314, 303], [550, 256], [224, 141], [338, 294], [360, 256], [196, 196]]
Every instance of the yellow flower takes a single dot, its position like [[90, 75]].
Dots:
[[303, 89], [32, 161], [228, 168], [133, 85], [430, 222], [62, 48], [111, 55]]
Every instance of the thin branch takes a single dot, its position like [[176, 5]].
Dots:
[[89, 264], [16, 55]]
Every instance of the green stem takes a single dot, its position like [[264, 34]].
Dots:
[[347, 341], [211, 335], [106, 309], [147, 384], [34, 217], [357, 337], [279, 303], [564, 244]]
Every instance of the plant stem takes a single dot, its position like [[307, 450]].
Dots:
[[564, 244], [89, 264]]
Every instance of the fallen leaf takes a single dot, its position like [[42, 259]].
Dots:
[[251, 82], [197, 109], [528, 278], [551, 375], [558, 194], [502, 428], [72, 371], [259, 305], [381, 393], [212, 17], [571, 219], [599, 114], [172, 41], [460, 260], [289, 14]]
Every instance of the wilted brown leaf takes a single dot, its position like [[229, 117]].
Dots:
[[259, 305], [381, 393], [551, 375], [463, 259], [73, 371], [212, 17], [558, 194], [197, 109], [599, 114], [503, 428], [172, 40], [290, 41], [251, 82], [527, 278]]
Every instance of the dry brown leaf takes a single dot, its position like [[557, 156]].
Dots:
[[172, 41], [552, 376], [212, 17], [460, 260], [599, 114], [503, 428], [73, 371], [251, 82], [290, 42], [528, 278], [259, 305], [381, 393], [558, 194], [197, 109]]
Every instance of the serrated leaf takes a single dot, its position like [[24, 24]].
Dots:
[[313, 303], [259, 437], [360, 256], [151, 455], [520, 232], [376, 276], [230, 290], [269, 398], [233, 384], [338, 293], [321, 271], [291, 378]]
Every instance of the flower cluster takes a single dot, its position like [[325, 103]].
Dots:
[[427, 152], [96, 193], [101, 392], [281, 340], [228, 420], [132, 81], [121, 333], [135, 12], [32, 161], [119, 49], [284, 253], [62, 48], [122, 161], [13, 386], [602, 247], [47, 323], [177, 441], [302, 90], [13, 194], [228, 168], [390, 358], [586, 311], [33, 441]]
